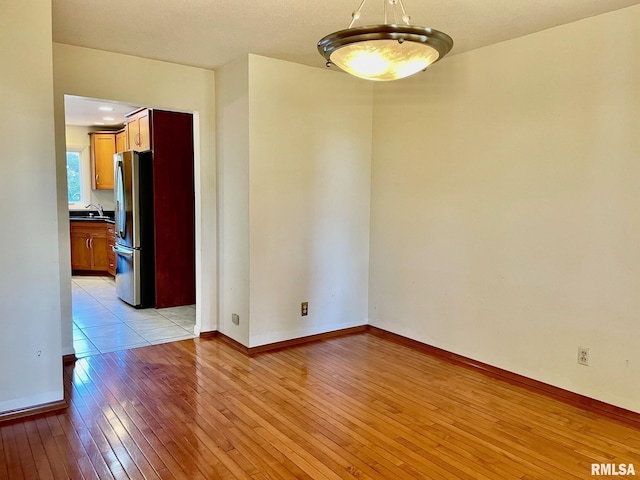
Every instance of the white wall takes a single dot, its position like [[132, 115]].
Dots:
[[78, 137], [310, 180], [505, 201], [295, 157], [30, 353], [232, 123], [138, 81]]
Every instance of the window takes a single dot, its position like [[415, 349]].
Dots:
[[75, 188]]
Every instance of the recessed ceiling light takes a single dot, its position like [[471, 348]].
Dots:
[[108, 119], [98, 123], [106, 109]]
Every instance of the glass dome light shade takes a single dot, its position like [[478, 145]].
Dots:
[[384, 52], [384, 60]]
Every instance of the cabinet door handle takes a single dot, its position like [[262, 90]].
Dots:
[[86, 243], [91, 242], [138, 139], [97, 176]]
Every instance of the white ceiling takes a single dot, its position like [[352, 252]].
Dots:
[[210, 33], [86, 112]]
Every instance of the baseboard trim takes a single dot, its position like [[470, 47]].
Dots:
[[271, 347], [208, 335], [68, 359], [31, 411], [233, 343], [575, 399], [224, 339]]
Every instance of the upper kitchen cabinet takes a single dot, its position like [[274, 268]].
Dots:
[[103, 147], [121, 141], [139, 131]]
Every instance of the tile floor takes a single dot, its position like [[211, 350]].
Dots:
[[103, 323]]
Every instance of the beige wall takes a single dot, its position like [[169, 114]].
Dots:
[[232, 123], [295, 150], [310, 177], [505, 201], [30, 352], [138, 81]]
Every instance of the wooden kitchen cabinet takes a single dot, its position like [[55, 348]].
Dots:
[[111, 255], [174, 204], [80, 252], [138, 129], [89, 246], [99, 256], [121, 141], [103, 147]]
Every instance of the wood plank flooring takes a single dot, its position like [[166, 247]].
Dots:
[[351, 407]]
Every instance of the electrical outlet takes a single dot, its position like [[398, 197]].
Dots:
[[304, 309], [583, 356], [235, 319]]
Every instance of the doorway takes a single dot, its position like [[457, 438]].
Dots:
[[101, 321]]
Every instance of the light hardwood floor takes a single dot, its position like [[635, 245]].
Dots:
[[352, 407]]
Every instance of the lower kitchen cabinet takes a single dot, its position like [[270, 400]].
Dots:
[[111, 255], [89, 246]]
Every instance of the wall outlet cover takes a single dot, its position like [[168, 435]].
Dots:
[[583, 356]]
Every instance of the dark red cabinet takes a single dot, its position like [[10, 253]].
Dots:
[[171, 136]]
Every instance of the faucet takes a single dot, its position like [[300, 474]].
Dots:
[[98, 207]]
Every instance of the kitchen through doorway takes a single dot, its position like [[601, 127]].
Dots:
[[102, 322]]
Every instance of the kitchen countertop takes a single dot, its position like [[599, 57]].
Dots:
[[93, 219], [90, 216]]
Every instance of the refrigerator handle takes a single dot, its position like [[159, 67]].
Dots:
[[119, 200], [121, 251]]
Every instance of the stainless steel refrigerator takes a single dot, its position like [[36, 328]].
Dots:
[[134, 228]]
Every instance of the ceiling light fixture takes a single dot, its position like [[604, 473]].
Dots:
[[106, 109], [108, 119], [384, 52]]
